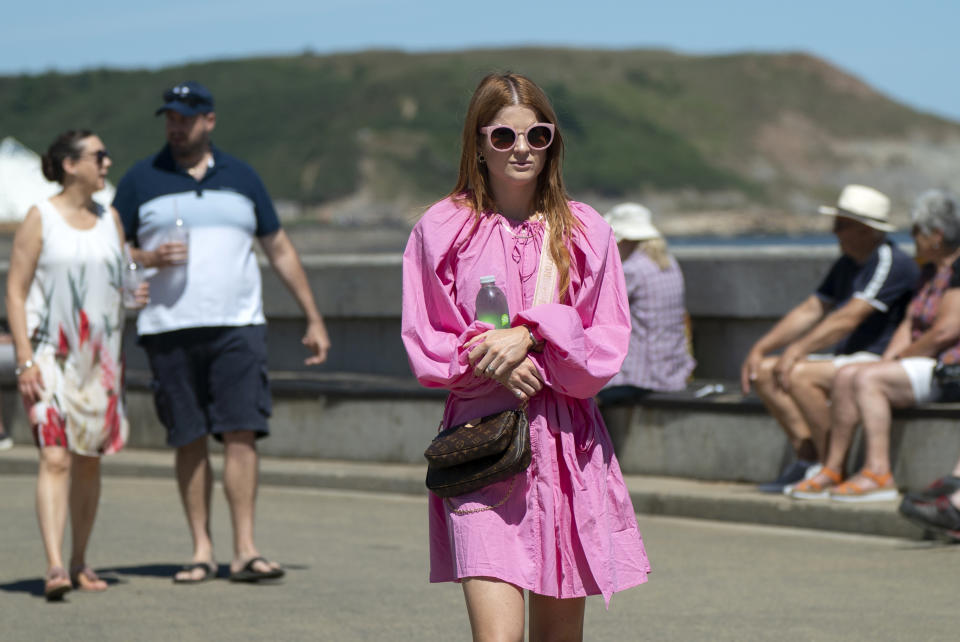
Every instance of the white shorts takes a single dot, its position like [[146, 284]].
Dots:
[[920, 373], [840, 360]]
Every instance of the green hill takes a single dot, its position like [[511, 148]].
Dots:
[[387, 123]]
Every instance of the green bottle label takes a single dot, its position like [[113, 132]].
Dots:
[[499, 322]]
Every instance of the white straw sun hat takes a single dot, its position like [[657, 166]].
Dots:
[[864, 205], [631, 222]]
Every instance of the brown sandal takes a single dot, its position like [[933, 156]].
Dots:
[[57, 584], [85, 579]]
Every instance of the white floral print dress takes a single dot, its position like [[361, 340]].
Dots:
[[75, 321]]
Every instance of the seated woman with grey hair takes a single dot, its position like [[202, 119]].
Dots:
[[929, 335], [659, 357]]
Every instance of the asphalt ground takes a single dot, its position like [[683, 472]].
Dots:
[[357, 570]]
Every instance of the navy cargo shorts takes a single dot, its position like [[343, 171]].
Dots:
[[210, 381]]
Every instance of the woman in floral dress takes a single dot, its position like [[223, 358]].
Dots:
[[66, 317]]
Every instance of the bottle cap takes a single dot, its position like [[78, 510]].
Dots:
[[488, 279]]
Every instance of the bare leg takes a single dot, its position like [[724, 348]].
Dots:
[[784, 409], [556, 620], [844, 419], [495, 610], [810, 384], [240, 478], [84, 500], [195, 481], [877, 389], [53, 489]]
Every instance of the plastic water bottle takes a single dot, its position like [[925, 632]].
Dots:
[[491, 304], [178, 234], [132, 278]]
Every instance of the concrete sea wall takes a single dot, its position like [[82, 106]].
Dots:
[[363, 405]]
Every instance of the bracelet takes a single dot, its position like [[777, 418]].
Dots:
[[20, 369]]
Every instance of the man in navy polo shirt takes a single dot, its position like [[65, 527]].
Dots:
[[192, 212], [849, 319]]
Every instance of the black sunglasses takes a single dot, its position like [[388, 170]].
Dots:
[[100, 155]]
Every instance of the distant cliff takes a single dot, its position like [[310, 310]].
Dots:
[[724, 144]]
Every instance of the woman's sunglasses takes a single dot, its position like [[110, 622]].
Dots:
[[99, 156], [502, 137]]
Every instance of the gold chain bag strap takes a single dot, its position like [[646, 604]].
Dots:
[[475, 454]]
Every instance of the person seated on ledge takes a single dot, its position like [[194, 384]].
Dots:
[[937, 507], [929, 334], [856, 310], [659, 356]]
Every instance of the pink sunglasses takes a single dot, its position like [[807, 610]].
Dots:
[[503, 137]]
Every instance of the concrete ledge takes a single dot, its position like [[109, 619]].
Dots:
[[742, 503], [343, 416], [376, 418], [651, 495], [727, 437]]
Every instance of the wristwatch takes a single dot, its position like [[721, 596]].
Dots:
[[537, 345], [23, 367]]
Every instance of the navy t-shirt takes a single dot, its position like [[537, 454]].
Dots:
[[886, 281]]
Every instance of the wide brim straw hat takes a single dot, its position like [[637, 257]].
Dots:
[[864, 205], [631, 222]]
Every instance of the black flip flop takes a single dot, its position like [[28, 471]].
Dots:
[[250, 574], [209, 572]]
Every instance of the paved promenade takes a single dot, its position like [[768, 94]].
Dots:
[[357, 571]]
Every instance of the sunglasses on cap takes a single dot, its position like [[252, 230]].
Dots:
[[503, 137], [183, 95]]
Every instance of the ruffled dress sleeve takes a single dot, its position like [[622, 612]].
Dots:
[[586, 340], [434, 327]]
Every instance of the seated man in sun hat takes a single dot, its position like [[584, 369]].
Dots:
[[849, 318]]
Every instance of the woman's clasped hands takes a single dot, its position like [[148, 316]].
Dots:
[[501, 355]]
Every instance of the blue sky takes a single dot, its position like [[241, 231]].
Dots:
[[907, 50]]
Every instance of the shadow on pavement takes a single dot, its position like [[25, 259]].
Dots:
[[34, 585], [158, 570]]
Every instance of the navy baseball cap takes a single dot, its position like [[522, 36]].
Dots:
[[188, 98]]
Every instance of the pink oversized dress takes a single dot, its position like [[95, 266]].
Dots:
[[567, 528]]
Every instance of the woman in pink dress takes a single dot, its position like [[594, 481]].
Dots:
[[564, 528]]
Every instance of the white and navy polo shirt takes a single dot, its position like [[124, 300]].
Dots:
[[223, 212]]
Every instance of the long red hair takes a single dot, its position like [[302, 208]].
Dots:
[[495, 92]]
